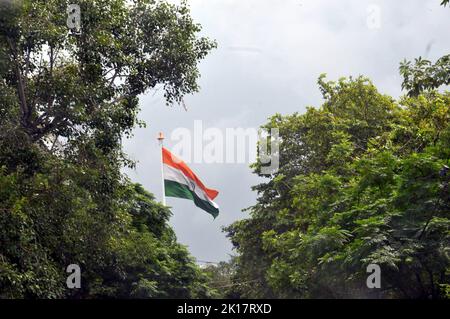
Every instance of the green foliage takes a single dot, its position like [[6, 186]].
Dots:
[[423, 75], [79, 85], [131, 254], [221, 280], [363, 179], [66, 101]]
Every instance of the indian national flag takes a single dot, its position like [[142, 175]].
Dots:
[[180, 181]]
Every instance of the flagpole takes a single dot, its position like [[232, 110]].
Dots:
[[161, 143]]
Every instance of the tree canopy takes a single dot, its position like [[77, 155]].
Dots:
[[66, 101], [363, 179]]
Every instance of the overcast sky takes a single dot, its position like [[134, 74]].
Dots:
[[269, 57]]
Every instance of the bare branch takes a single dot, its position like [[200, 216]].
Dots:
[[21, 89]]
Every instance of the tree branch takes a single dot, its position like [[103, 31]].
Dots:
[[26, 113]]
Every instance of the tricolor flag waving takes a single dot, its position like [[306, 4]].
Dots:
[[180, 181]]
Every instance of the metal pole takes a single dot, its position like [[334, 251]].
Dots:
[[161, 143]]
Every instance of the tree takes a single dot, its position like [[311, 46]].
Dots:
[[423, 75], [66, 101], [362, 180]]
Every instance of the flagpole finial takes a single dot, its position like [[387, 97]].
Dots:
[[160, 138]]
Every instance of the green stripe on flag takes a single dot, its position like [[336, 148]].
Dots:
[[174, 189]]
